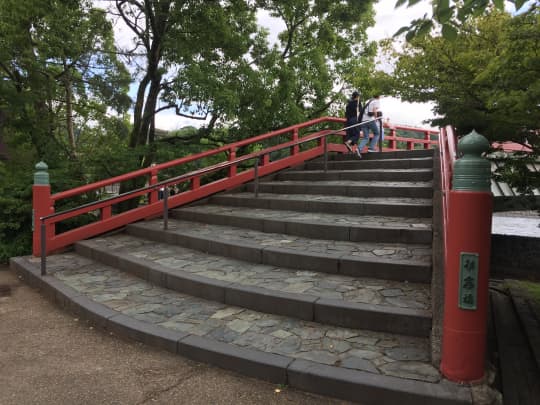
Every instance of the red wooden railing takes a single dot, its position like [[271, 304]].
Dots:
[[300, 149]]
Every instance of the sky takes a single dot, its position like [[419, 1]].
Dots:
[[387, 21]]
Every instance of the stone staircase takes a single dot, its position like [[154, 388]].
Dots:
[[322, 282]]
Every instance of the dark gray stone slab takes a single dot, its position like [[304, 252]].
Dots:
[[380, 318], [96, 313], [152, 335], [369, 388], [388, 270], [253, 363], [318, 231], [53, 289], [28, 272], [296, 260], [236, 249], [271, 301], [197, 286]]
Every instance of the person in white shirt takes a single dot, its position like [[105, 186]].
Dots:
[[371, 111]]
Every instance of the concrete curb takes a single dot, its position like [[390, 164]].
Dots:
[[353, 385], [326, 263], [405, 321]]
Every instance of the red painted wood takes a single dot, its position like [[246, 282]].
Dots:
[[44, 203], [464, 331]]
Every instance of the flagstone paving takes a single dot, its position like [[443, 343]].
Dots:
[[360, 290], [333, 198], [316, 217], [413, 253], [375, 352]]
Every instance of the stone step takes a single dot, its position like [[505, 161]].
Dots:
[[387, 261], [414, 175], [380, 305], [371, 164], [357, 206], [379, 189], [398, 154], [318, 225], [347, 363]]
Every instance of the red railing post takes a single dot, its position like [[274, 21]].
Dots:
[[467, 263], [296, 148], [195, 183], [154, 196], [106, 213], [232, 156], [42, 205], [392, 144], [427, 138]]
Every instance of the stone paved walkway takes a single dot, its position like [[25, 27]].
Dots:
[[380, 353], [360, 290], [316, 217], [389, 251]]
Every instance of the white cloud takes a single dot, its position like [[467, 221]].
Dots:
[[389, 19], [404, 113]]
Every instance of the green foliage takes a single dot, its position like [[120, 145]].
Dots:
[[449, 17], [488, 79], [15, 209]]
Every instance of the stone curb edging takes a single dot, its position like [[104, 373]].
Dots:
[[342, 383], [406, 321], [275, 256], [352, 233]]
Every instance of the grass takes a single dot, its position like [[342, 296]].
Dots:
[[533, 289]]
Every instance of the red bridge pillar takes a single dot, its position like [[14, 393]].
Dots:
[[467, 263]]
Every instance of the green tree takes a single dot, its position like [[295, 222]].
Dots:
[[450, 16], [487, 79], [58, 72], [212, 62], [59, 82]]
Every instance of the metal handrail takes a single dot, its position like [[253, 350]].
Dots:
[[184, 177]]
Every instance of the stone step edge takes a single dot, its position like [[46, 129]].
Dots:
[[352, 189], [373, 184], [302, 374], [358, 208], [411, 163], [326, 263], [405, 321], [341, 232]]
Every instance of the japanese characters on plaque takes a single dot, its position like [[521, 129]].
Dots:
[[468, 281]]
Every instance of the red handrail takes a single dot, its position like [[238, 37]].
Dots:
[[44, 202]]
